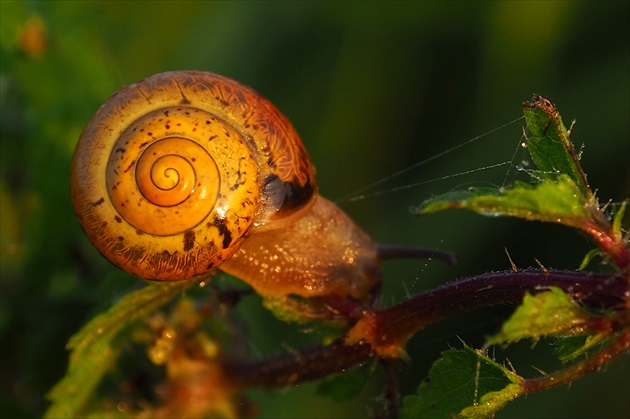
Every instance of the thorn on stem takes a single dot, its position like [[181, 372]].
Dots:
[[514, 268]]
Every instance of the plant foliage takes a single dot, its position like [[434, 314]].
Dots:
[[463, 382]]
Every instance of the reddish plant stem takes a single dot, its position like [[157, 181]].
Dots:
[[394, 325], [297, 366], [399, 322], [616, 249], [592, 363]]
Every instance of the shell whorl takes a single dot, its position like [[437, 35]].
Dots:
[[173, 171]]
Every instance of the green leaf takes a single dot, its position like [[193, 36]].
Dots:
[[556, 201], [465, 383], [95, 347], [562, 196], [289, 309], [548, 313], [589, 257], [618, 219], [492, 402], [567, 348], [550, 147]]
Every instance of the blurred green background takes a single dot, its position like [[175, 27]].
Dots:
[[372, 88]]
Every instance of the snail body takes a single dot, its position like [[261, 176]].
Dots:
[[320, 253], [186, 172]]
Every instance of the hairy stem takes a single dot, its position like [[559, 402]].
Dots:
[[394, 325], [389, 329], [297, 366]]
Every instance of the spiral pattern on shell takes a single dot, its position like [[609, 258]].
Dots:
[[173, 172]]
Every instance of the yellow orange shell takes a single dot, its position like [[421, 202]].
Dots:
[[172, 173]]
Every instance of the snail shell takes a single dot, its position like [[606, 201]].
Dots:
[[175, 173]]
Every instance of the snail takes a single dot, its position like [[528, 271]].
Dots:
[[186, 172]]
